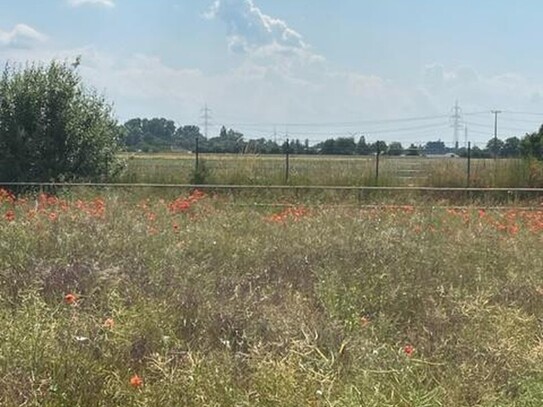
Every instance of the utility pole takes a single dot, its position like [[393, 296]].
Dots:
[[496, 113], [206, 117], [456, 119], [466, 135]]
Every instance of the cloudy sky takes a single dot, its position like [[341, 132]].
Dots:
[[389, 69]]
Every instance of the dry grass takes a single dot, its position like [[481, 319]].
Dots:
[[333, 171], [215, 305]]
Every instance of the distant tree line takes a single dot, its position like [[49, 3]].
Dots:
[[160, 134]]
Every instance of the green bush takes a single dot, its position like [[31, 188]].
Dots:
[[53, 128]]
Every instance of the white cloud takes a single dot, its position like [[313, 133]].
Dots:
[[105, 3], [287, 79], [21, 36], [249, 28], [277, 77]]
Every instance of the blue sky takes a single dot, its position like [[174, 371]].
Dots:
[[312, 68]]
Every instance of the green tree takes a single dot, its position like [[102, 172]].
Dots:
[[338, 146], [53, 128], [327, 147], [395, 148], [345, 146], [363, 148], [435, 147], [185, 137], [379, 147], [511, 147], [532, 145], [413, 150], [133, 134], [495, 146], [157, 134], [229, 141]]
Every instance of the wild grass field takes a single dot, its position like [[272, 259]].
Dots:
[[121, 299], [176, 168]]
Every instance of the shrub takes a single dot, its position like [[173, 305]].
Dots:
[[53, 128]]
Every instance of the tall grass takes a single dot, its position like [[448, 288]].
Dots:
[[335, 171], [215, 305]]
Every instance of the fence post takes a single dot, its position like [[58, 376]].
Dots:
[[287, 161], [377, 164], [469, 165], [197, 163]]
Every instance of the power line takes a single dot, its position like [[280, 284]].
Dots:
[[476, 113], [341, 124], [435, 126], [523, 113], [490, 126]]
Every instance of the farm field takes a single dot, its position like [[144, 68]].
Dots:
[[176, 168], [117, 298]]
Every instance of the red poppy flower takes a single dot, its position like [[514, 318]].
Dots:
[[109, 323], [70, 299], [409, 350], [136, 381]]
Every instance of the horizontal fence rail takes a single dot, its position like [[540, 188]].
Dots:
[[267, 187], [393, 207]]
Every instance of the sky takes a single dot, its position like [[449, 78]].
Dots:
[[389, 70]]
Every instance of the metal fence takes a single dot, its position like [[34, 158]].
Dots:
[[325, 170]]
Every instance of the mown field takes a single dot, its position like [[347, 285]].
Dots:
[[175, 168], [118, 299]]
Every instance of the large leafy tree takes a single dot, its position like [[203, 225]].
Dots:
[[511, 147], [395, 148], [185, 137], [53, 128], [495, 146], [149, 134], [532, 145], [362, 147]]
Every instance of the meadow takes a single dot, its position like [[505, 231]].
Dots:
[[246, 169], [113, 298]]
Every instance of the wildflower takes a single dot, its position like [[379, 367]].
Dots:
[[409, 350], [10, 216], [136, 381], [197, 195], [180, 205], [513, 230], [53, 216], [109, 323], [7, 196], [70, 299], [175, 227]]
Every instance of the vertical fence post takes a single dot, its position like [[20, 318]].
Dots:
[[377, 164], [197, 152], [469, 165], [287, 161]]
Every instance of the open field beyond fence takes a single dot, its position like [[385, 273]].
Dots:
[[327, 170], [118, 300]]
